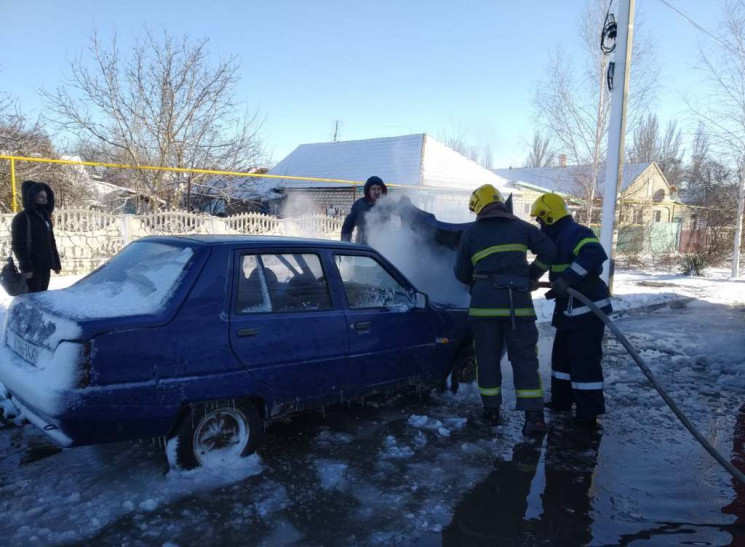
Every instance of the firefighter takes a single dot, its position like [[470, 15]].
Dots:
[[576, 374], [492, 258]]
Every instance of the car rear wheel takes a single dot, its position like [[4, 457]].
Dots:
[[214, 434], [464, 367]]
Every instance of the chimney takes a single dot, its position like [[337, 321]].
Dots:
[[562, 160]]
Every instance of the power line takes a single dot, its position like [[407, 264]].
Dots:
[[699, 27]]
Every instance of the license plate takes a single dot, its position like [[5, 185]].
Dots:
[[28, 351]]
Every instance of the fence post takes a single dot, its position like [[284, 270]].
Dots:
[[126, 225]]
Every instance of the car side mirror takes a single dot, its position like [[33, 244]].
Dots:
[[422, 301]]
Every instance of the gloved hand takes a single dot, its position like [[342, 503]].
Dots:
[[533, 285], [560, 287]]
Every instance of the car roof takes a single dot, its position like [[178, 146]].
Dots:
[[258, 241]]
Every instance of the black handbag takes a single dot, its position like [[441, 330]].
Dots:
[[12, 280]]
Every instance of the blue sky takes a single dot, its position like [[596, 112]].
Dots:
[[383, 68]]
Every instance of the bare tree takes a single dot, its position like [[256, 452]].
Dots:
[[21, 136], [723, 112], [457, 139], [165, 104], [666, 150], [541, 153], [574, 107]]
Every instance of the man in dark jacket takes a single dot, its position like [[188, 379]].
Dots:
[[577, 376], [36, 250], [492, 258], [374, 189]]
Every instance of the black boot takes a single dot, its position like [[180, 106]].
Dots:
[[535, 425], [557, 406], [491, 416], [587, 422]]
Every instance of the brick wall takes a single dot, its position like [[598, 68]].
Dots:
[[322, 200]]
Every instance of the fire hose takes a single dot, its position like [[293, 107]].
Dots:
[[736, 473]]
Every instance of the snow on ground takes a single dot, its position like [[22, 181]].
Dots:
[[405, 470]]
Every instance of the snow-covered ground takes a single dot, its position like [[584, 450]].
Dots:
[[406, 470]]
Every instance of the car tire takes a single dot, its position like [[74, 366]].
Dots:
[[464, 367], [213, 434]]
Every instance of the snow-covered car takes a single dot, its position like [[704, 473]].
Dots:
[[202, 340]]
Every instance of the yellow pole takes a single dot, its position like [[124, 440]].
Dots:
[[14, 202]]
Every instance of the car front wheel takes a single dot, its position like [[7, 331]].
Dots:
[[214, 434]]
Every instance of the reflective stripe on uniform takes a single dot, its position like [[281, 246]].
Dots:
[[510, 247], [538, 264], [583, 243], [561, 375], [500, 312], [490, 391], [529, 393], [587, 386], [584, 309], [578, 269], [559, 267]]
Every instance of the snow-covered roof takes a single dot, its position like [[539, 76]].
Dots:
[[565, 179], [409, 160]]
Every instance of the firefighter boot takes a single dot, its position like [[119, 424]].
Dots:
[[535, 425], [491, 416]]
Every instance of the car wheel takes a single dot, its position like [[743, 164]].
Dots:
[[213, 434], [464, 367]]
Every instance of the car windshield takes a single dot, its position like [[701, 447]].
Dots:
[[139, 280]]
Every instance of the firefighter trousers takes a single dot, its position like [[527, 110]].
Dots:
[[576, 372], [490, 338]]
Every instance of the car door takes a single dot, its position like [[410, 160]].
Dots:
[[390, 339], [284, 326]]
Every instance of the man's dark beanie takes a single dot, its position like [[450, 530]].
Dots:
[[374, 180]]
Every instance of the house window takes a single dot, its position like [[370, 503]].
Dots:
[[526, 208], [658, 216]]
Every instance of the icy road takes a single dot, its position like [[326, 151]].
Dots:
[[423, 472]]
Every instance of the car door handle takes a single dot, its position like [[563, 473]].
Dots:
[[362, 325], [245, 333]]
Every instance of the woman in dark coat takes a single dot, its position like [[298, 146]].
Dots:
[[33, 237]]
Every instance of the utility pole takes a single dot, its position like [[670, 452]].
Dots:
[[738, 221], [616, 133], [336, 131]]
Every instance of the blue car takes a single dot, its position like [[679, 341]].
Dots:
[[204, 340]]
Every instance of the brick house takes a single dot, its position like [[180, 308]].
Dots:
[[646, 196], [436, 178]]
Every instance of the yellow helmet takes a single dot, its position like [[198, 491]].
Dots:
[[483, 196], [549, 208]]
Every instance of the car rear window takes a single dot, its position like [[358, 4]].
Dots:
[[140, 280]]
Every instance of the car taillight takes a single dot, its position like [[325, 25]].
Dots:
[[84, 379]]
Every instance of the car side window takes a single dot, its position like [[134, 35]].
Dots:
[[368, 285], [296, 282], [253, 289], [282, 283]]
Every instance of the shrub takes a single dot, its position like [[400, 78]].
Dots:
[[693, 264]]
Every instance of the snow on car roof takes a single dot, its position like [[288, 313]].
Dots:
[[262, 241]]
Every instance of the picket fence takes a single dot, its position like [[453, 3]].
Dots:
[[87, 238]]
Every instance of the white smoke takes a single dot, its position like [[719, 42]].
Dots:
[[427, 265], [299, 204]]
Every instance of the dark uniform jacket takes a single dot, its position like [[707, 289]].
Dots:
[[492, 258], [580, 262], [42, 255]]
